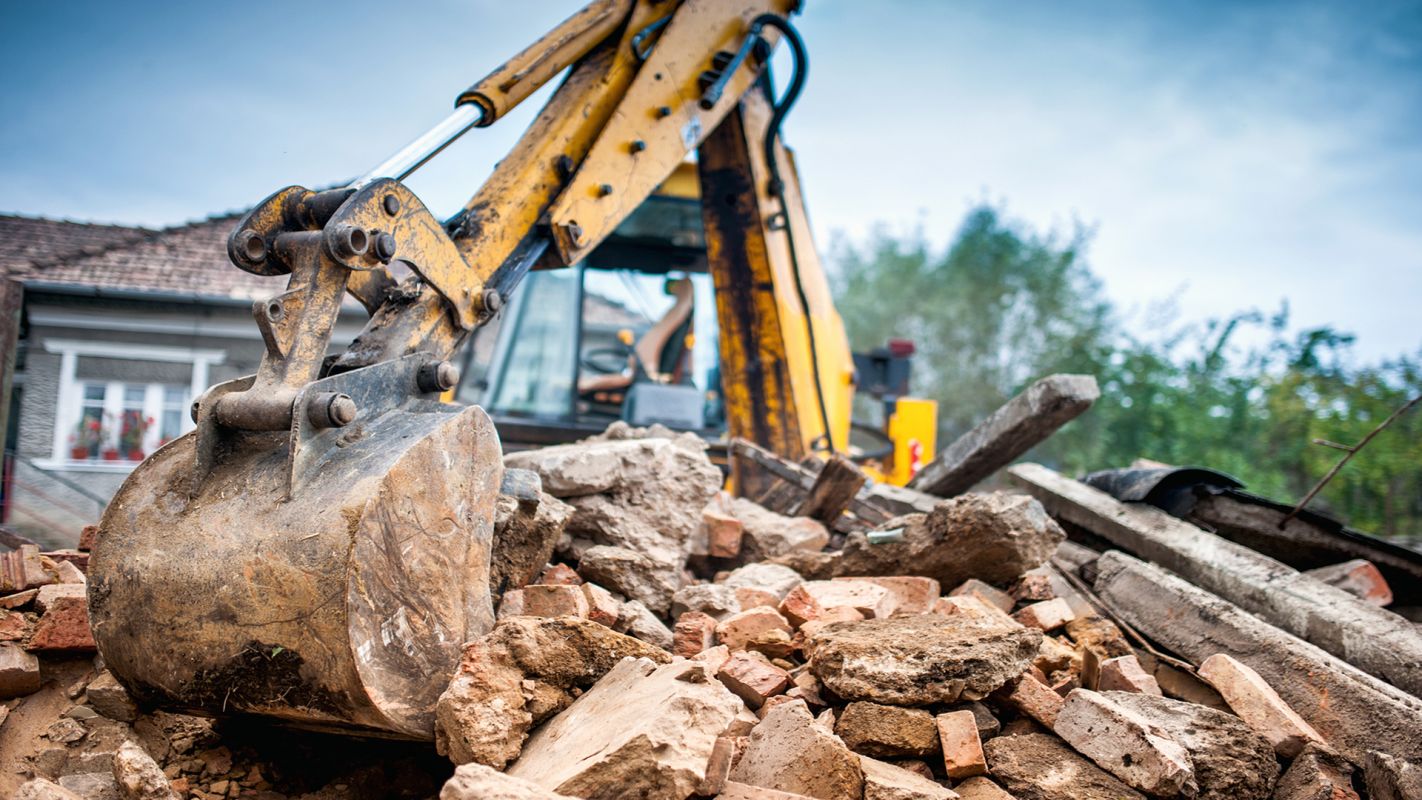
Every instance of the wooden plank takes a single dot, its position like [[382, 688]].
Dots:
[[833, 491], [1375, 640], [1354, 711], [1019, 425], [801, 478]]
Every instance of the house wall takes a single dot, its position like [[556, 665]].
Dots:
[[53, 496]]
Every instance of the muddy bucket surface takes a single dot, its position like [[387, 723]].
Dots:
[[341, 607]]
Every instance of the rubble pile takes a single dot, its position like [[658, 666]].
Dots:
[[658, 638]]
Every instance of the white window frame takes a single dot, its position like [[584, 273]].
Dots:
[[70, 400]]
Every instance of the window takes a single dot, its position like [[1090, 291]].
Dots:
[[121, 421]]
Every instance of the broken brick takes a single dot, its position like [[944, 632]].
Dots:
[[753, 678], [799, 607], [912, 594], [737, 630], [985, 592], [1046, 615], [559, 575], [19, 672], [64, 627], [871, 600], [749, 597], [693, 632], [603, 608], [723, 534], [962, 747], [1035, 699], [1033, 587], [879, 730], [1125, 673], [557, 600], [1256, 702], [1126, 744], [1359, 578]]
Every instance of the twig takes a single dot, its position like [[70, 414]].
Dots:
[[1351, 451]]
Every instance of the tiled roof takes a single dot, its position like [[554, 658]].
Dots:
[[186, 259]]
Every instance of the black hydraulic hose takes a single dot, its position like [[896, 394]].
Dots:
[[777, 189]]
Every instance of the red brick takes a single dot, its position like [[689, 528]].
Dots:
[[1256, 702], [559, 575], [65, 626], [723, 534], [603, 608], [1035, 699], [912, 594], [1047, 614], [19, 599], [799, 607], [714, 657], [14, 626], [693, 632], [871, 600], [985, 592], [748, 598], [88, 537], [511, 604], [1032, 588], [558, 600], [1126, 674], [962, 749], [739, 630], [1357, 577], [752, 678]]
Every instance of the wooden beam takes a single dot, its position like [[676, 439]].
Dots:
[[1018, 426], [1375, 640], [833, 491]]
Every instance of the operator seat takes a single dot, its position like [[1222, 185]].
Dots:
[[654, 356]]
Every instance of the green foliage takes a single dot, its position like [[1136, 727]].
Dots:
[[1004, 305]]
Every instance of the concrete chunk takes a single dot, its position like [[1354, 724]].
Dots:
[[139, 776], [739, 630], [1317, 774], [640, 731], [19, 671], [1256, 702], [789, 752], [41, 789], [872, 729], [1039, 766], [1353, 711], [630, 574], [744, 791], [1126, 745], [773, 578], [985, 592], [557, 600], [981, 789], [913, 594], [478, 782], [921, 660], [768, 534], [1391, 778], [1046, 615], [884, 781]]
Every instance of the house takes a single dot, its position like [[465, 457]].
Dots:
[[107, 333]]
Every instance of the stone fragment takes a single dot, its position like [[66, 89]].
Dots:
[[985, 592], [748, 598], [992, 536], [913, 594], [1126, 744], [640, 731], [718, 766], [1039, 766], [714, 657], [1358, 577], [693, 632], [23, 569], [1047, 615], [479, 782], [525, 535], [753, 678], [64, 626], [829, 617], [1256, 702], [768, 534], [789, 752], [519, 673], [630, 574], [19, 599], [1317, 774], [981, 789], [1034, 586], [559, 575], [1035, 699], [138, 776], [987, 724], [51, 595], [723, 534], [884, 781], [1054, 655], [556, 600], [773, 578], [41, 789], [715, 599], [108, 697], [744, 791], [1391, 778], [69, 573], [737, 630], [511, 604], [874, 602], [920, 660], [19, 671], [1125, 673], [603, 607], [799, 606], [1230, 761], [972, 608], [962, 747], [873, 729], [638, 621]]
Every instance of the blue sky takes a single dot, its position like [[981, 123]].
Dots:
[[1228, 155]]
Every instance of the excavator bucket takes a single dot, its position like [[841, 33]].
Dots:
[[341, 606]]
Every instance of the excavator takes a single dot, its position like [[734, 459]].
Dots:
[[316, 551]]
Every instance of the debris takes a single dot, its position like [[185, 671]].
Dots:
[[478, 782], [740, 630], [994, 536], [693, 632], [981, 789], [723, 533], [752, 677], [630, 574], [715, 599], [962, 745], [557, 600], [1038, 766], [525, 535], [912, 594], [64, 625], [871, 600], [23, 568], [1034, 698], [603, 607], [768, 577], [744, 791], [139, 777], [1358, 577], [872, 729], [884, 781], [19, 671], [800, 606], [1391, 778], [1124, 673], [789, 752], [985, 592], [638, 621], [1353, 711], [109, 698], [1255, 701], [768, 534], [920, 660], [559, 574], [1047, 615], [1007, 433], [1317, 774], [640, 731], [41, 789], [1126, 744], [1372, 639]]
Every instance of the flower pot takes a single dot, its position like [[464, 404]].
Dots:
[[111, 455], [135, 455], [79, 453]]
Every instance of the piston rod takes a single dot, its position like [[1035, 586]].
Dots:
[[413, 155]]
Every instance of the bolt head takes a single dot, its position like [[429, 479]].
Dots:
[[391, 204], [385, 247], [342, 410], [491, 300]]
